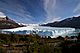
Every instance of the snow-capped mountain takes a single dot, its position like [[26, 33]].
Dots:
[[73, 22], [7, 23]]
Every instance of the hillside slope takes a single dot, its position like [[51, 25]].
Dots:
[[73, 22], [6, 23]]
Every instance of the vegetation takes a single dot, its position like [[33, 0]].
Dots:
[[15, 43]]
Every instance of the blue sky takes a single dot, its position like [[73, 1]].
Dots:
[[39, 11]]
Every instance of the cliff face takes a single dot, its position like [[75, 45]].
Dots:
[[6, 23]]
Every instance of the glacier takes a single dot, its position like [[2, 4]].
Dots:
[[43, 31]]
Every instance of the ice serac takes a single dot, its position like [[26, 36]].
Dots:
[[42, 31]]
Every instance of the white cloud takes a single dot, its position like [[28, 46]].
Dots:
[[49, 6], [52, 19], [77, 9], [18, 10]]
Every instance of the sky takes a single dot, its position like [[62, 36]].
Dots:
[[39, 11]]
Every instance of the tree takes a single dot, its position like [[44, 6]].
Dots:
[[60, 37], [49, 37], [78, 36]]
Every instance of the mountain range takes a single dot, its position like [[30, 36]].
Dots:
[[7, 23], [73, 22]]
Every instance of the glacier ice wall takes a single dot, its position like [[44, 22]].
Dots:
[[42, 31]]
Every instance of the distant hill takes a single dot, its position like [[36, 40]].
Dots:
[[7, 23], [73, 22]]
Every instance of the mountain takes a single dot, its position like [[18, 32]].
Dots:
[[73, 22], [7, 23]]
